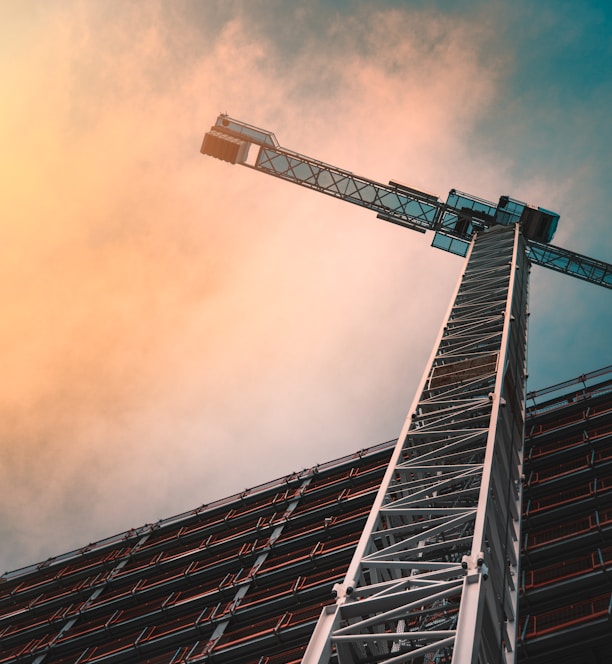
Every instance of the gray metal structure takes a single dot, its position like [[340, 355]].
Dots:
[[434, 573], [434, 576], [454, 221]]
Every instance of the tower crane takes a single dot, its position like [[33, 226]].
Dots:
[[433, 578]]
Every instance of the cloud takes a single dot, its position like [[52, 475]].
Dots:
[[175, 328]]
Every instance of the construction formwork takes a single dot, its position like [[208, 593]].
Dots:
[[244, 579]]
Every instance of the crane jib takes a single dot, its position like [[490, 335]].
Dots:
[[569, 262], [345, 185]]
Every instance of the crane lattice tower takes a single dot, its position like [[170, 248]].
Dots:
[[434, 577]]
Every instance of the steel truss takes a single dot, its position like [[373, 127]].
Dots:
[[454, 221], [433, 576]]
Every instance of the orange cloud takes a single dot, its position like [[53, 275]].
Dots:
[[165, 315]]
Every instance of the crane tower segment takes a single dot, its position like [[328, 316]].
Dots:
[[434, 574]]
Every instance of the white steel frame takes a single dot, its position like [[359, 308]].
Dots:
[[433, 577]]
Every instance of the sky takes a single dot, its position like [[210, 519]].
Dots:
[[176, 329]]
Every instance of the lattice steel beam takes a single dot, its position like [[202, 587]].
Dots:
[[433, 576], [455, 221]]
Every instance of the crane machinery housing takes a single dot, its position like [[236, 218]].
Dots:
[[434, 575]]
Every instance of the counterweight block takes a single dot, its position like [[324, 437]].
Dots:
[[224, 147]]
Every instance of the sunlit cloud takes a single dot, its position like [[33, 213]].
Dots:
[[175, 329]]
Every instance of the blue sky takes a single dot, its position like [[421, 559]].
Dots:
[[176, 329]]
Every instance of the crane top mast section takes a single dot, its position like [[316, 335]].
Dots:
[[454, 221]]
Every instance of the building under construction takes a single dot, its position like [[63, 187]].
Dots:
[[244, 580]]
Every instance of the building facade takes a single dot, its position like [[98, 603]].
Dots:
[[566, 582], [244, 579]]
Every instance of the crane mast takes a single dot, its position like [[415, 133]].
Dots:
[[434, 576]]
